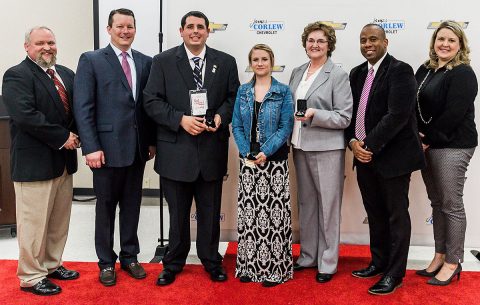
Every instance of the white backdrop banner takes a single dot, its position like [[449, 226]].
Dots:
[[237, 26]]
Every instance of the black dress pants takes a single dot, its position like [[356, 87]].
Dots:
[[386, 203], [208, 197]]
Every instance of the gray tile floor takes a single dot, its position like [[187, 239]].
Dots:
[[80, 243]]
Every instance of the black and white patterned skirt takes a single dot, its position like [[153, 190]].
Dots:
[[264, 223]]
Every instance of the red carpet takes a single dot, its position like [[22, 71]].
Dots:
[[193, 286]]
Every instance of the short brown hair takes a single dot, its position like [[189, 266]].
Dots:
[[326, 29], [121, 11], [462, 56]]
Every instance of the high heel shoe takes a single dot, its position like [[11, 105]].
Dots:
[[425, 273], [437, 282]]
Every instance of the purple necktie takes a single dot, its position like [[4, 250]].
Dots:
[[360, 132], [126, 68]]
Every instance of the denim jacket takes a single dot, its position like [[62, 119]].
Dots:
[[275, 118]]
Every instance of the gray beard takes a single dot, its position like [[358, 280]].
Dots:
[[43, 63]]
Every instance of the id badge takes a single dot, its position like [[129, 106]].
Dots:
[[198, 102]]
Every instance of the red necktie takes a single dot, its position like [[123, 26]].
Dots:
[[360, 132], [61, 90]]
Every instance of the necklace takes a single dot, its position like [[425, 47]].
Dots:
[[426, 122]]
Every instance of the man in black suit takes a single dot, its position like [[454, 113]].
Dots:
[[117, 140], [38, 94], [386, 146], [192, 157]]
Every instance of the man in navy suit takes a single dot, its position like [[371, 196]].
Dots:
[[38, 95], [117, 140], [385, 143], [192, 157]]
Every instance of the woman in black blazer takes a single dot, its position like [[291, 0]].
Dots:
[[447, 87]]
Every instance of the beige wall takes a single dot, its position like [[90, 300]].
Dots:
[[72, 23]]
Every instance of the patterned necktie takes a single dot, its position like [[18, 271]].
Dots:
[[360, 132], [197, 72], [126, 68], [61, 91]]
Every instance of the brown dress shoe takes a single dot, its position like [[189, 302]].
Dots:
[[108, 276], [135, 270]]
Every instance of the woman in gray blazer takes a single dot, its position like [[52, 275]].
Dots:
[[319, 149]]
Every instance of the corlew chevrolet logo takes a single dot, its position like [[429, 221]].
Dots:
[[390, 26], [213, 27], [436, 24], [266, 27]]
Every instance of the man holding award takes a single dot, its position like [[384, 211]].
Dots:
[[190, 95]]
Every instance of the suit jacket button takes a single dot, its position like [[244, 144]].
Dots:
[[135, 126]]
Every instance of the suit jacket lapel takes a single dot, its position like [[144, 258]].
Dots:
[[322, 77], [112, 58], [379, 75], [47, 82], [210, 69], [184, 68], [139, 69], [298, 77]]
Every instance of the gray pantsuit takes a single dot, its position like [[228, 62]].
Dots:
[[444, 179], [320, 177], [319, 157]]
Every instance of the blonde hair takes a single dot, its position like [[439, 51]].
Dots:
[[262, 47], [462, 56]]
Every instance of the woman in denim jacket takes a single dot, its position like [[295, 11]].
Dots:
[[262, 122]]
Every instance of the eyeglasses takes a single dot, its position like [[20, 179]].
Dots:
[[320, 41]]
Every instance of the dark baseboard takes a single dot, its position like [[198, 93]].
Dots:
[[83, 191]]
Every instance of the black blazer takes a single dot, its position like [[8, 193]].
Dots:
[[109, 117], [38, 123], [390, 120], [181, 156]]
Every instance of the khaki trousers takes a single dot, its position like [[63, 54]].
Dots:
[[43, 217]]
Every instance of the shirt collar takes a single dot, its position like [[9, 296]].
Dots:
[[190, 54], [377, 64], [118, 52]]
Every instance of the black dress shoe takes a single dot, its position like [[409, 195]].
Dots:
[[108, 276], [166, 277], [298, 267], [245, 279], [269, 284], [64, 274], [218, 274], [370, 271], [425, 273], [44, 287], [135, 270], [323, 277], [386, 285]]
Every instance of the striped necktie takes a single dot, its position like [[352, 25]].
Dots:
[[61, 91], [360, 132], [197, 72]]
